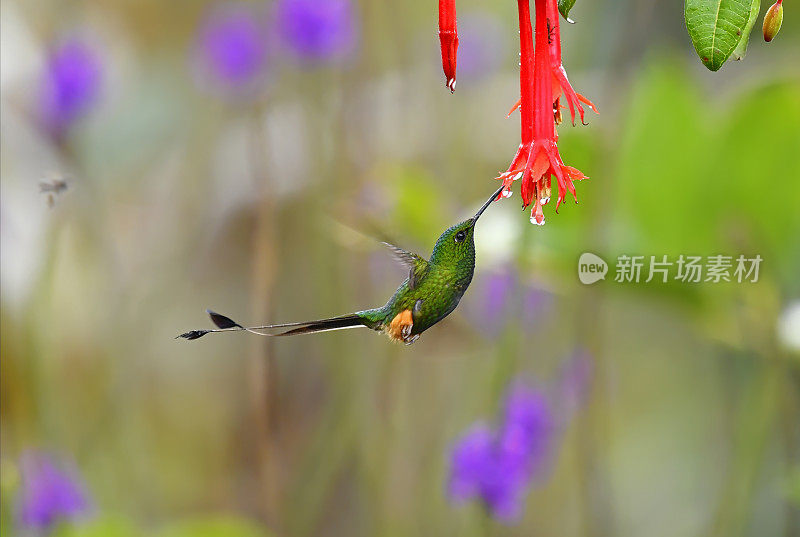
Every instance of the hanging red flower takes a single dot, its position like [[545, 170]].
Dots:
[[560, 80], [538, 158], [448, 39], [542, 80]]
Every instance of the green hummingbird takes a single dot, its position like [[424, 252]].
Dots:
[[431, 291]]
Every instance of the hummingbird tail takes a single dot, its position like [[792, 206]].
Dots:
[[226, 324], [322, 325]]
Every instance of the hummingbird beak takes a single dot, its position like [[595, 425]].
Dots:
[[488, 202]]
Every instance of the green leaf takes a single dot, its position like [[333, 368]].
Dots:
[[741, 48], [753, 146], [663, 158], [716, 27], [564, 6]]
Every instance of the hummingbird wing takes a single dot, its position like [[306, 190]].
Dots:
[[417, 265]]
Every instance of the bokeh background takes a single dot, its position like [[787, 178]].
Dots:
[[248, 157]]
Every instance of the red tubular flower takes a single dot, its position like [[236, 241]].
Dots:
[[448, 38], [537, 158], [560, 80], [561, 83]]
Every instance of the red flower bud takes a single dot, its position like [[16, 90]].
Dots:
[[773, 20], [448, 38]]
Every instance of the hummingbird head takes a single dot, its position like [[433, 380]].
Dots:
[[457, 243]]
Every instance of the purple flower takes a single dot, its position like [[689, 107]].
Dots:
[[526, 432], [499, 286], [49, 492], [497, 465], [473, 458], [481, 45], [494, 301], [534, 303], [70, 84], [480, 470], [232, 46], [574, 382], [317, 30]]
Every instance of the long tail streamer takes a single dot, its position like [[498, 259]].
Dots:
[[226, 324]]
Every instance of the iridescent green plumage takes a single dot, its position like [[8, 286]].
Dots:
[[431, 291], [433, 288]]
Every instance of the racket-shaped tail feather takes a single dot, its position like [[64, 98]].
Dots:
[[368, 319]]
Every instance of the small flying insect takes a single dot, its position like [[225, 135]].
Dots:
[[53, 188]]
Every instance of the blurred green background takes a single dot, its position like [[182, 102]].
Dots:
[[265, 206]]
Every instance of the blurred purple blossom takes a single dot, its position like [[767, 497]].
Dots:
[[317, 31], [70, 84], [493, 303], [481, 45], [535, 302], [497, 291], [575, 380], [528, 424], [497, 465], [472, 462], [495, 299], [232, 46], [49, 492]]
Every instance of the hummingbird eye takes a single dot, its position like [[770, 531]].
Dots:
[[460, 236]]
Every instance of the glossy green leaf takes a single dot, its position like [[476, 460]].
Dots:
[[716, 27], [741, 48], [564, 7]]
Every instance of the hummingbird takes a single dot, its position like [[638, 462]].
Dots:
[[430, 293]]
